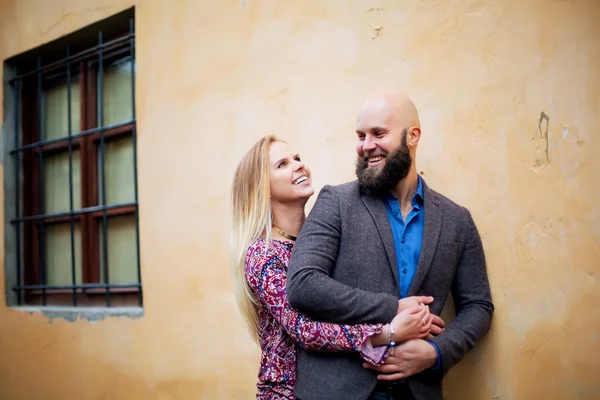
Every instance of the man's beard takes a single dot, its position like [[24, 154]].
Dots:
[[379, 181]]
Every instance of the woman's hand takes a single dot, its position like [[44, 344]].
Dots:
[[412, 323]]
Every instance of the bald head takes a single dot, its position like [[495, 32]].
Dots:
[[389, 108], [388, 125], [388, 132]]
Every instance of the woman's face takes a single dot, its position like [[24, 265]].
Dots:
[[290, 178]]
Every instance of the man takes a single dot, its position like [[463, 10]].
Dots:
[[387, 235]]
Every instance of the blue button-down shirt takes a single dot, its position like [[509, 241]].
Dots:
[[408, 237]]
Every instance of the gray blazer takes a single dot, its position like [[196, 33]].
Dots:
[[343, 270]]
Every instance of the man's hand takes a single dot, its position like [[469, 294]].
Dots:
[[437, 326], [409, 358], [413, 301]]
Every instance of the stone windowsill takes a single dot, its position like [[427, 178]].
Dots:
[[92, 314]]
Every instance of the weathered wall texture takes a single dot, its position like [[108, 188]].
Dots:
[[213, 76]]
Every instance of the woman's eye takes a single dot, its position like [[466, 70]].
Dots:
[[282, 164]]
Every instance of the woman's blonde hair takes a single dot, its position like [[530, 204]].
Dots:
[[252, 217]]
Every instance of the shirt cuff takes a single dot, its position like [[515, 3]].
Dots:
[[373, 354], [439, 356]]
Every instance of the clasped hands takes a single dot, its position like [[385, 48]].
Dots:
[[412, 324]]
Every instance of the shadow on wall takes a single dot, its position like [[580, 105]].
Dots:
[[470, 378]]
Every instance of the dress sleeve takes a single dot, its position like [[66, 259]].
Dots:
[[267, 277]]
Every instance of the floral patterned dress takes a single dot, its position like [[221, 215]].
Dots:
[[282, 328]]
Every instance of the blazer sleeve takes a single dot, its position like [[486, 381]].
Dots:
[[472, 300], [310, 287], [266, 275]]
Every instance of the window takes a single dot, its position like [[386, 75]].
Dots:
[[70, 135]]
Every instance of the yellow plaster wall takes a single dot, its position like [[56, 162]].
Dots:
[[213, 76]]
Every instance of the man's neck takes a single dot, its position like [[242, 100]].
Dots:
[[289, 217], [406, 189]]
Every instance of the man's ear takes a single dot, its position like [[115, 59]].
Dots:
[[413, 135]]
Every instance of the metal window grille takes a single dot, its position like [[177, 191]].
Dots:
[[28, 154]]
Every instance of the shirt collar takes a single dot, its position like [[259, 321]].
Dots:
[[418, 197]]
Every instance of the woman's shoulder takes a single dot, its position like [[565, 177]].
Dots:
[[263, 254], [263, 248]]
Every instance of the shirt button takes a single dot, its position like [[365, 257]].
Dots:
[[403, 241], [404, 271]]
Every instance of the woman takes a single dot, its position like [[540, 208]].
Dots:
[[270, 190]]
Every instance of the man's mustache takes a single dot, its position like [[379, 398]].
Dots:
[[374, 153]]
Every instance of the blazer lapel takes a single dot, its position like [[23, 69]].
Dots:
[[376, 208], [431, 234]]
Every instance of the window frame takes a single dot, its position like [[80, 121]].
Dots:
[[29, 224]]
